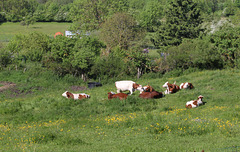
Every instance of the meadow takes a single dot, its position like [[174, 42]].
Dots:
[[35, 117], [9, 29]]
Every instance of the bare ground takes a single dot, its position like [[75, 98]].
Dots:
[[6, 85]]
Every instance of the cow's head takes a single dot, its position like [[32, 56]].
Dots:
[[165, 85], [138, 87], [148, 88], [67, 94], [200, 97]]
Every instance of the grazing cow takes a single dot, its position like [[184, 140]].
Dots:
[[186, 85], [120, 95], [148, 88], [75, 96], [195, 103], [151, 95], [128, 85], [171, 88]]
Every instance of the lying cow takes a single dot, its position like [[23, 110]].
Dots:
[[195, 103], [151, 95], [148, 88], [128, 85], [75, 96], [171, 88], [120, 95], [186, 85]]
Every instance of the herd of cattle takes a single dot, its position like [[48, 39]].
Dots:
[[146, 92]]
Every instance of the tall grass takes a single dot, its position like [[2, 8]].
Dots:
[[43, 120]]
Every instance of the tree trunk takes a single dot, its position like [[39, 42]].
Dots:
[[84, 77], [139, 73]]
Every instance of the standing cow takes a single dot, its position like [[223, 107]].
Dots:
[[128, 85]]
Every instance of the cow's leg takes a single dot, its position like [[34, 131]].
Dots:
[[118, 90], [131, 91]]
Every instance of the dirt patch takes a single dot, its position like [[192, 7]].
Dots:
[[6, 85], [15, 92], [77, 88], [10, 89]]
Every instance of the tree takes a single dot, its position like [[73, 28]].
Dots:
[[88, 14], [119, 30], [227, 41], [182, 21], [29, 19], [140, 60], [150, 16]]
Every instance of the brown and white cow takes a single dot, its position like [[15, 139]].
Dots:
[[195, 103], [120, 95], [75, 96], [148, 88], [151, 95], [171, 88], [186, 85], [128, 85]]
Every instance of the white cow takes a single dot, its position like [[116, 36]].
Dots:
[[128, 85], [195, 103], [75, 96], [186, 85]]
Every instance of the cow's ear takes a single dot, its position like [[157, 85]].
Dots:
[[68, 94], [135, 85]]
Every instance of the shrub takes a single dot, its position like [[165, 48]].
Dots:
[[5, 58], [29, 47], [196, 53], [227, 41]]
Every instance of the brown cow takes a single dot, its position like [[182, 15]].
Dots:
[[151, 95], [120, 95]]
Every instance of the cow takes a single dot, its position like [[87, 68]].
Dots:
[[186, 85], [120, 95], [171, 88], [128, 85], [148, 88], [195, 103], [75, 96], [151, 95]]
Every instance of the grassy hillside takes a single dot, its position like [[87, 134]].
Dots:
[[35, 117], [9, 29]]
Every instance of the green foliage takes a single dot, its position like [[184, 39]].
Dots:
[[140, 60], [149, 18], [182, 21], [88, 15], [227, 42], [29, 19], [5, 58], [120, 30], [16, 10], [73, 55], [108, 67], [194, 53], [29, 47]]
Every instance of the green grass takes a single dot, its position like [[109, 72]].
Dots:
[[9, 29], [43, 120]]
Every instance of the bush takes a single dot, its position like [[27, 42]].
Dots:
[[196, 53], [5, 58], [227, 42], [109, 67], [29, 47]]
